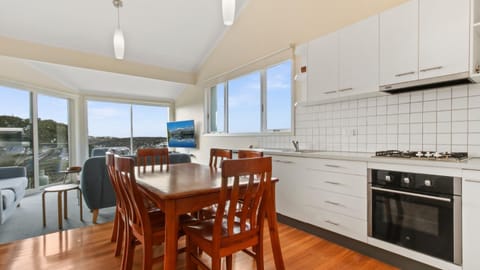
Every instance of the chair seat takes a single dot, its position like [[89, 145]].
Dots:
[[204, 228]]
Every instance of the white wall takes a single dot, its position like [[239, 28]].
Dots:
[[265, 26]]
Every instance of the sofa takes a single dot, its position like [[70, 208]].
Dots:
[[95, 183], [13, 182]]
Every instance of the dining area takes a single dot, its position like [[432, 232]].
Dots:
[[213, 211]]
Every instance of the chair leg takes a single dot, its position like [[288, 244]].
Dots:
[[129, 250], [79, 193], [65, 205], [59, 208], [259, 255], [120, 236], [229, 262], [115, 227], [94, 216], [43, 210], [147, 255], [189, 253], [216, 262]]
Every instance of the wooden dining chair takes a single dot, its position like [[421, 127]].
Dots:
[[228, 232], [249, 154], [152, 157], [218, 155]]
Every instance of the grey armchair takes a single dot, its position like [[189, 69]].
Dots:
[[13, 182]]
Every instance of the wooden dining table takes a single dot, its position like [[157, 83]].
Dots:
[[188, 187]]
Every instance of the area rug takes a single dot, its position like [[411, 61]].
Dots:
[[27, 221]]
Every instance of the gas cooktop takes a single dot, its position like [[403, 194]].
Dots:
[[424, 155]]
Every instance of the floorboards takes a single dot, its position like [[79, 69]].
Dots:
[[90, 248]]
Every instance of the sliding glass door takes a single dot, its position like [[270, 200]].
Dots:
[[34, 127]]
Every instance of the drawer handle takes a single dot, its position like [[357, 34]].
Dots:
[[284, 161], [432, 68], [330, 92], [332, 166], [472, 181], [332, 183], [333, 203], [346, 89], [405, 74], [331, 222]]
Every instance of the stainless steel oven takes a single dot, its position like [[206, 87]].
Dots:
[[417, 211]]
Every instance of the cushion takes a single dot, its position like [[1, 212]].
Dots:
[[8, 198], [17, 184]]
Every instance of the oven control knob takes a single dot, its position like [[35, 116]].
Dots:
[[406, 180], [428, 183], [388, 178]]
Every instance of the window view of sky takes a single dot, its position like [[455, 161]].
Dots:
[[15, 102], [279, 97], [244, 103], [113, 119]]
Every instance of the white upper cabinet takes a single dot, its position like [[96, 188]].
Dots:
[[358, 57], [344, 62], [444, 37], [399, 44], [423, 39], [322, 67]]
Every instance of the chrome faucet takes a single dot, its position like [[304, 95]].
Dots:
[[295, 144]]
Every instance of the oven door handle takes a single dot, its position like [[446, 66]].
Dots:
[[413, 194]]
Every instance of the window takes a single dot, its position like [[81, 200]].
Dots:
[[52, 138], [17, 138], [125, 127], [244, 109], [217, 108], [257, 102]]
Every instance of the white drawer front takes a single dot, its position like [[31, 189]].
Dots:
[[348, 226], [343, 204], [339, 166], [355, 185]]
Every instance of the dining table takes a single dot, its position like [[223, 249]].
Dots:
[[188, 187]]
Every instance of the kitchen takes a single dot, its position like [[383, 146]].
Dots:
[[423, 57]]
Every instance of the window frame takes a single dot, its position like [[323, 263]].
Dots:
[[263, 104], [130, 102]]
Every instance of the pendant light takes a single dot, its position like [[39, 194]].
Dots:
[[118, 38], [228, 11]]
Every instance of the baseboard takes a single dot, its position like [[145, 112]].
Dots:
[[360, 247]]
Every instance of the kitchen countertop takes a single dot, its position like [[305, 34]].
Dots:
[[470, 164]]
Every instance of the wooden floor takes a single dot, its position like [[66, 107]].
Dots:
[[90, 248]]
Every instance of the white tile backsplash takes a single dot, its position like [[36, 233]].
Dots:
[[445, 119]]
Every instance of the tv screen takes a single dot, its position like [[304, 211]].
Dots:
[[181, 133]]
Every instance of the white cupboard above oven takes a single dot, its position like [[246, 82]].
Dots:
[[424, 39]]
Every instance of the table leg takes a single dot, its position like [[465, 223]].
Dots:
[[273, 228], [171, 235], [59, 206]]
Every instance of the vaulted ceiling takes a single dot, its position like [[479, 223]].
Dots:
[[71, 42]]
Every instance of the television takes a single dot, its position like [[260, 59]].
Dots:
[[181, 134]]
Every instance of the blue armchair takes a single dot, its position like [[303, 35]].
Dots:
[[96, 186]]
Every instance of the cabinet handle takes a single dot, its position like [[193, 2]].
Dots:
[[283, 161], [333, 203], [432, 68], [472, 181], [346, 89], [405, 74], [331, 222], [332, 183], [330, 92], [332, 166]]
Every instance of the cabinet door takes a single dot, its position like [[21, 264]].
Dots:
[[399, 44], [359, 56], [471, 222], [322, 62], [444, 37], [287, 198]]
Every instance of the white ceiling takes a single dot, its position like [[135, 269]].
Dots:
[[175, 34]]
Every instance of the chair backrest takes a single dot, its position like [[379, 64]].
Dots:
[[152, 156], [217, 156], [245, 181], [249, 154], [120, 197], [137, 215]]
